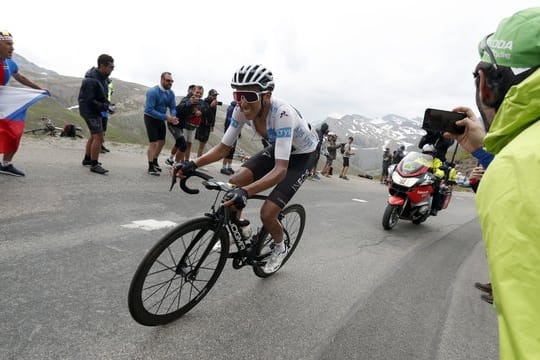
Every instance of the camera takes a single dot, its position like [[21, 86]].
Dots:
[[219, 103], [443, 121]]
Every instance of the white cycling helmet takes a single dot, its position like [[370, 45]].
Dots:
[[249, 75], [428, 148]]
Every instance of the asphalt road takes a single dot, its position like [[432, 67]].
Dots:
[[71, 240]]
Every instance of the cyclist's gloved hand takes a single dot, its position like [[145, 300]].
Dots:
[[186, 169], [238, 197]]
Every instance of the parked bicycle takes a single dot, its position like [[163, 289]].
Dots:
[[48, 128], [182, 267]]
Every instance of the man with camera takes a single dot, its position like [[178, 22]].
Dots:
[[192, 112], [202, 134], [508, 97]]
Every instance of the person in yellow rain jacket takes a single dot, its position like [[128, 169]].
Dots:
[[508, 97], [438, 173]]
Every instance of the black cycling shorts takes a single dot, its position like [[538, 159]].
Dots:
[[155, 128], [261, 163]]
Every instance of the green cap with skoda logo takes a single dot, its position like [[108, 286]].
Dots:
[[516, 43]]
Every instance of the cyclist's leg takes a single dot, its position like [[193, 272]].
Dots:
[[297, 173], [269, 217]]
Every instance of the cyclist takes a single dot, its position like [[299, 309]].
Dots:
[[285, 163]]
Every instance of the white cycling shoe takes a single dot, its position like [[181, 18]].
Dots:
[[275, 260]]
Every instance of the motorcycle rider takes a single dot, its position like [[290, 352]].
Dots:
[[438, 174]]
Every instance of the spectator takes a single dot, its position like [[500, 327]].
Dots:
[[330, 153], [386, 161], [93, 101], [159, 99], [105, 114], [12, 137], [398, 154], [190, 112], [178, 135], [346, 155], [202, 133], [227, 160], [321, 133], [507, 83]]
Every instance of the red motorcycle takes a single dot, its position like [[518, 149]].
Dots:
[[411, 187]]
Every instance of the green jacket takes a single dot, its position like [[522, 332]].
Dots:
[[509, 213]]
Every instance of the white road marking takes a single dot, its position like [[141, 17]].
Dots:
[[150, 224], [359, 200]]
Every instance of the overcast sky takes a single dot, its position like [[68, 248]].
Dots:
[[371, 58]]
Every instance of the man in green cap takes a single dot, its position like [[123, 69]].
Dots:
[[508, 97]]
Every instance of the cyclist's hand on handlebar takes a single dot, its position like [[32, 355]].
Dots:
[[185, 170], [237, 197]]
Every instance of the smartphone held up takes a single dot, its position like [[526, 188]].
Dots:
[[443, 121]]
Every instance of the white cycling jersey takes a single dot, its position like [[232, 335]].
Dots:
[[284, 126]]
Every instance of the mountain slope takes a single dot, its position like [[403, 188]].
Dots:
[[371, 135]]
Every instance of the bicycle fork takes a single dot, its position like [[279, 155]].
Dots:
[[187, 270]]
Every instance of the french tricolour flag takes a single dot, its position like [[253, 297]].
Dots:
[[13, 105]]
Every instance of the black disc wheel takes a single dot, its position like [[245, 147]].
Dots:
[[293, 220], [391, 216], [177, 272]]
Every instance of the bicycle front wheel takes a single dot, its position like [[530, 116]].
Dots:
[[293, 220], [178, 272]]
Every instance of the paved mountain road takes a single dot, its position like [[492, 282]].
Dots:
[[351, 291]]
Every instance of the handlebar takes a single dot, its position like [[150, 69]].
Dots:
[[209, 183]]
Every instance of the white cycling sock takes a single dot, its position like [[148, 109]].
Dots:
[[280, 247]]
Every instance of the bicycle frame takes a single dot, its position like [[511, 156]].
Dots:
[[224, 218]]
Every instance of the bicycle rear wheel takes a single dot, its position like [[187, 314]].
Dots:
[[293, 220], [166, 284]]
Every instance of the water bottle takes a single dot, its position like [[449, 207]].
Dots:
[[246, 231]]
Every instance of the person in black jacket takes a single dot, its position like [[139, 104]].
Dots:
[[321, 133], [386, 161], [93, 100], [398, 154], [202, 133], [191, 112]]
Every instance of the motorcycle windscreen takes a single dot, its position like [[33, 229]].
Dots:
[[414, 164]]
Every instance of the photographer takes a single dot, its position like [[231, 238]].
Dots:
[[202, 134], [192, 111], [507, 82]]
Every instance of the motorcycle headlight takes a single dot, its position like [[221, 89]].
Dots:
[[407, 182]]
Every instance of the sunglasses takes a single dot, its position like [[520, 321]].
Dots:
[[483, 47], [169, 80], [247, 96]]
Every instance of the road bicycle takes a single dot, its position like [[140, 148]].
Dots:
[[48, 128], [182, 267]]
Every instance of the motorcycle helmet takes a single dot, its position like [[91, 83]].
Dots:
[[249, 75], [428, 149]]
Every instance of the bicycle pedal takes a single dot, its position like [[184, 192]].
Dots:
[[238, 263]]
